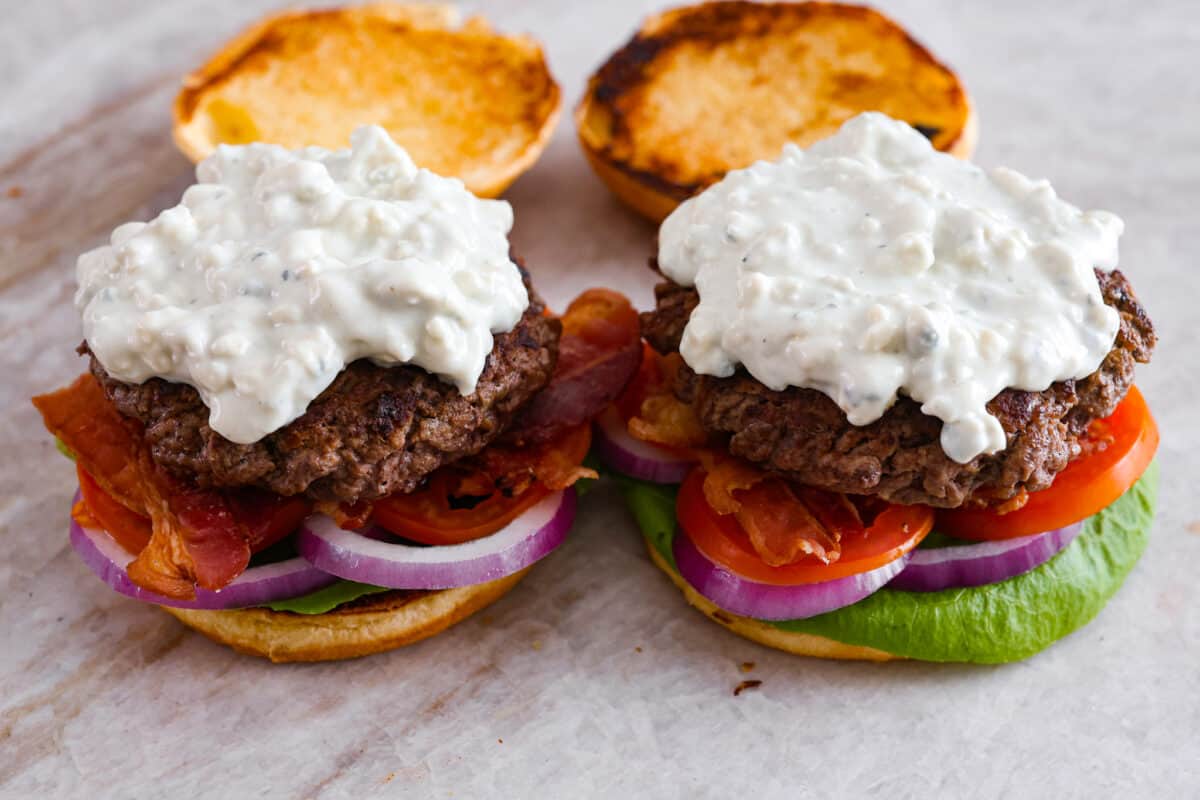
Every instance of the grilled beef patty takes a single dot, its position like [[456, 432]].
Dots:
[[374, 431], [803, 434]]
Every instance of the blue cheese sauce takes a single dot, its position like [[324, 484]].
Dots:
[[278, 268], [871, 265]]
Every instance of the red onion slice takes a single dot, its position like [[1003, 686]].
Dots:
[[256, 586], [979, 564], [749, 598], [635, 458], [359, 556]]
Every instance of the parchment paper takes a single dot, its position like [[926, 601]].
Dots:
[[593, 678]]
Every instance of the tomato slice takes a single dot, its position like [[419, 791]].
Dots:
[[435, 516], [463, 504], [1087, 485], [129, 529], [893, 532]]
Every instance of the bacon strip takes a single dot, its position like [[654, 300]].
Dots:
[[781, 528], [555, 464], [663, 418], [783, 522], [195, 539], [600, 350]]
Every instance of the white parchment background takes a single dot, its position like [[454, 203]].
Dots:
[[592, 678]]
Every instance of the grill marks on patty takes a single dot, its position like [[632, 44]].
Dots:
[[375, 430], [802, 434]]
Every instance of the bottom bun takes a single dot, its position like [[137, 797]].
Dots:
[[801, 644], [371, 624]]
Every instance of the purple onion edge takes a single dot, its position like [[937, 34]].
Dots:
[[441, 576], [747, 598], [983, 563], [636, 466], [242, 595]]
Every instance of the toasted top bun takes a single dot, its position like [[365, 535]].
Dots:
[[372, 624], [801, 644], [705, 89], [464, 101]]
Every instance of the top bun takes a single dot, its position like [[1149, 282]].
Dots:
[[463, 100], [705, 89]]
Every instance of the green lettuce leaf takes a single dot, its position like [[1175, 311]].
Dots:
[[1002, 622], [61, 446], [326, 599]]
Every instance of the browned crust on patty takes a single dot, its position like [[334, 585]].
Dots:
[[374, 431], [803, 435]]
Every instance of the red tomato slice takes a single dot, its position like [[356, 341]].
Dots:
[[435, 515], [429, 516], [129, 529], [894, 531], [1088, 485]]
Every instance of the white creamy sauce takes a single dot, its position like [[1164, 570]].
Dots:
[[870, 264], [278, 268]]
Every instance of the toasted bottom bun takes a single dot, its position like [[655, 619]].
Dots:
[[370, 625], [801, 644]]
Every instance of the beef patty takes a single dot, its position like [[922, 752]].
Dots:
[[374, 431], [803, 434]]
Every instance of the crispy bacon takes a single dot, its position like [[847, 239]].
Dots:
[[724, 476], [348, 517], [662, 418], [555, 464], [784, 522], [83, 515], [599, 352], [195, 540]]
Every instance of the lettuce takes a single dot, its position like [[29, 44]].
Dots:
[[1003, 622], [61, 446], [326, 599]]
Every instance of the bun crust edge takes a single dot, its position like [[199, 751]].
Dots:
[[801, 644], [373, 625], [653, 177], [489, 179]]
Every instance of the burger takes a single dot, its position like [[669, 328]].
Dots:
[[325, 413], [887, 407]]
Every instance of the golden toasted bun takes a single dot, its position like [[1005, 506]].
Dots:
[[464, 101], [801, 644], [370, 625], [709, 88]]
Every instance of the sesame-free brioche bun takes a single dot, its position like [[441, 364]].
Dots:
[[708, 88], [372, 624], [801, 644], [462, 99]]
